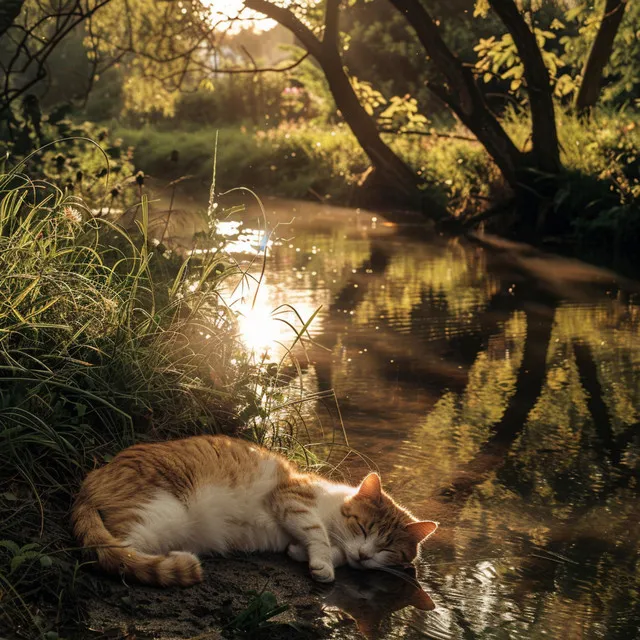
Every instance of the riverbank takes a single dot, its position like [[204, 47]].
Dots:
[[594, 212], [108, 337]]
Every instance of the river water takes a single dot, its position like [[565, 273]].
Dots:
[[496, 390]]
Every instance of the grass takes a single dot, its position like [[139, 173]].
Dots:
[[289, 161], [106, 339], [599, 190]]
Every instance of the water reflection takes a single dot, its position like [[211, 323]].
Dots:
[[497, 390], [370, 599]]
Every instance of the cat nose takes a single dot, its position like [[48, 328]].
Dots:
[[364, 555]]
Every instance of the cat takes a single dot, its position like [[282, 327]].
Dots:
[[154, 506]]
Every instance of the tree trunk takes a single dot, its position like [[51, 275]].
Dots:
[[544, 135], [9, 11], [462, 94], [391, 170], [599, 56]]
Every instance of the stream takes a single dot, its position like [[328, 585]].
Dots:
[[495, 388]]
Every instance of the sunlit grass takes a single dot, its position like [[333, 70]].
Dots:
[[108, 338]]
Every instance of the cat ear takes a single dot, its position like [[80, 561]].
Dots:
[[421, 530], [420, 600], [371, 488]]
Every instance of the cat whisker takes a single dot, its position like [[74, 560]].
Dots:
[[338, 537]]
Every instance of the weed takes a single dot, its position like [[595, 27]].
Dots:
[[256, 618]]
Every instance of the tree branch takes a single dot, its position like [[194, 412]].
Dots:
[[331, 27], [287, 19], [599, 55], [544, 134]]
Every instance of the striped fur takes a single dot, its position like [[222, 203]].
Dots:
[[154, 506]]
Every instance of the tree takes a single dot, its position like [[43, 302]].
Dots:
[[30, 33], [459, 91], [544, 136], [599, 55], [392, 171]]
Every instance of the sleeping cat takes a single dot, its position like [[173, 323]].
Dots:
[[154, 506]]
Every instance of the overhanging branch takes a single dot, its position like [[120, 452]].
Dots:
[[291, 22]]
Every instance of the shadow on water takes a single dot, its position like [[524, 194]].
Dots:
[[497, 390]]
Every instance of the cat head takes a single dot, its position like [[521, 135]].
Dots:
[[380, 532]]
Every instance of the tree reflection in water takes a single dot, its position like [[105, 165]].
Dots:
[[498, 391]]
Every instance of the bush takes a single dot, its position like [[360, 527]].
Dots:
[[597, 199]]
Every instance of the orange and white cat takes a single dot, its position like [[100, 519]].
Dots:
[[154, 506]]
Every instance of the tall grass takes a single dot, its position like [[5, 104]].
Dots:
[[104, 340], [108, 338]]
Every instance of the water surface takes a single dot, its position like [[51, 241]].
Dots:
[[497, 392]]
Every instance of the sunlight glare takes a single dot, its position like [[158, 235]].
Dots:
[[264, 328], [221, 10]]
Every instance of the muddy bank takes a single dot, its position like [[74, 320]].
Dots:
[[221, 606]]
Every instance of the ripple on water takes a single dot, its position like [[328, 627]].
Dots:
[[497, 393]]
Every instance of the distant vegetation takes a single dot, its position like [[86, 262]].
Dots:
[[457, 109]]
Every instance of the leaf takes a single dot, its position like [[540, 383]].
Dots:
[[481, 9], [45, 562], [11, 546]]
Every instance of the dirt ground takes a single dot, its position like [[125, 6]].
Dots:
[[210, 610]]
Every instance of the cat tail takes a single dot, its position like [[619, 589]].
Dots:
[[177, 568]]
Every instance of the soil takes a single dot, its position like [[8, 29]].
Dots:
[[210, 610]]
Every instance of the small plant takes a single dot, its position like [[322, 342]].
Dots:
[[256, 618]]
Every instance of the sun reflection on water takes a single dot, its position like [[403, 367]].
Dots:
[[267, 326], [268, 329]]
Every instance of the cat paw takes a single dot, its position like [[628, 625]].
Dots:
[[297, 552], [322, 572]]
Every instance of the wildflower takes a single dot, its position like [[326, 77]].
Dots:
[[72, 214]]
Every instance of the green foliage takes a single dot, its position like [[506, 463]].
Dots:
[[621, 74], [79, 157], [399, 114], [499, 58], [103, 341], [256, 618], [288, 160], [597, 199], [565, 38]]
